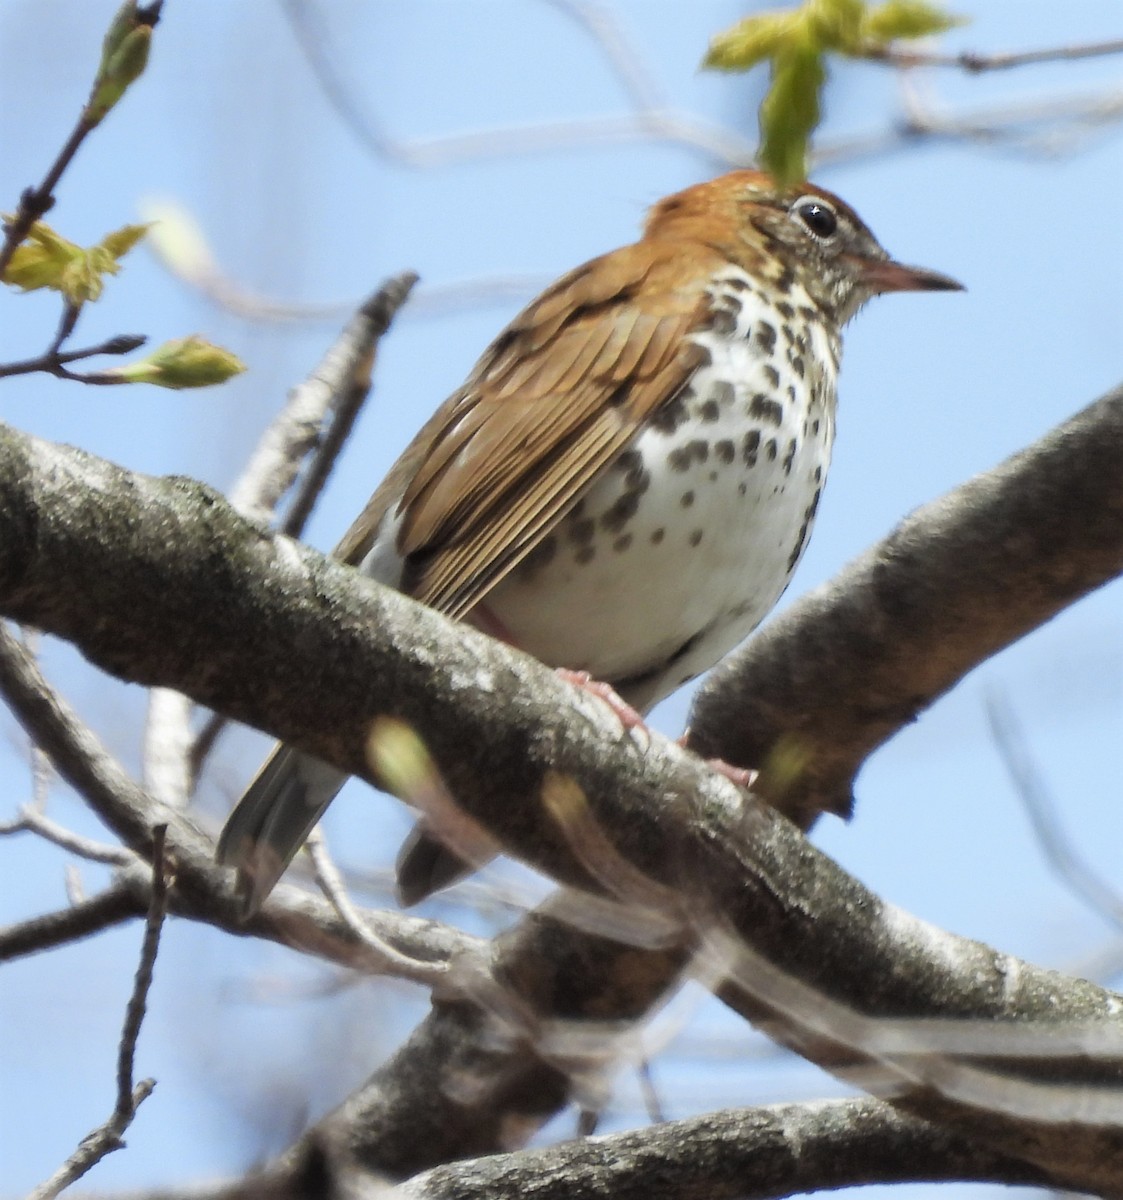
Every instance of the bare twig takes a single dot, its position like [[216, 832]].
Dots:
[[974, 62], [117, 903], [31, 820], [646, 123], [53, 361], [346, 371], [108, 1136], [331, 884], [1072, 869]]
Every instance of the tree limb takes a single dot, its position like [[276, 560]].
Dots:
[[274, 633]]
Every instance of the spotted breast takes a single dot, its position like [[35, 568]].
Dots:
[[687, 540]]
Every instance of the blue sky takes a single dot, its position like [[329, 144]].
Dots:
[[230, 124]]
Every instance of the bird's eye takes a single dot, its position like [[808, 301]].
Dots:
[[818, 216]]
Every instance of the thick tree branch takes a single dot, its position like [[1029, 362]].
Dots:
[[272, 632], [736, 1154], [841, 671]]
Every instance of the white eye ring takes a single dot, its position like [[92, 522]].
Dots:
[[816, 216]]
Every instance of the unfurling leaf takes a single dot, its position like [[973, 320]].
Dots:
[[789, 114], [48, 260], [188, 362], [907, 19], [750, 41]]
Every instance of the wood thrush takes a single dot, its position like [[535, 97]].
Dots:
[[626, 481]]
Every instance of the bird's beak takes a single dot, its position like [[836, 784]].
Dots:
[[890, 276]]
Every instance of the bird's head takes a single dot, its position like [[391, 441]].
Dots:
[[797, 234]]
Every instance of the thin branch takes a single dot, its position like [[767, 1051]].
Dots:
[[30, 820], [204, 891], [36, 202], [346, 370], [108, 1136], [53, 361], [429, 974], [975, 63], [138, 1001], [1074, 871], [117, 903]]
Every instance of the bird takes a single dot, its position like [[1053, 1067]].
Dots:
[[626, 481]]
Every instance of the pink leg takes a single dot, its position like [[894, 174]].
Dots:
[[743, 777], [627, 715]]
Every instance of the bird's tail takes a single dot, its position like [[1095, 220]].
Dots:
[[269, 824]]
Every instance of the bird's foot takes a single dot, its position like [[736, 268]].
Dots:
[[743, 777], [625, 713]]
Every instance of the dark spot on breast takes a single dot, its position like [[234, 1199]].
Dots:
[[772, 375], [785, 310], [791, 392], [620, 513], [723, 392], [581, 530], [710, 411], [696, 537], [764, 337], [771, 449], [585, 554], [628, 460], [817, 474], [742, 488], [798, 367], [622, 542], [737, 283], [765, 409], [687, 499], [657, 536], [725, 450], [672, 414], [789, 456], [722, 322], [750, 446]]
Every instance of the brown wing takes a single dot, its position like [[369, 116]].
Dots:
[[552, 401]]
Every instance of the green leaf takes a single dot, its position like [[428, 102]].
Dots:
[[42, 260], [790, 112], [907, 19], [48, 260], [750, 41], [835, 24], [118, 243], [188, 362]]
